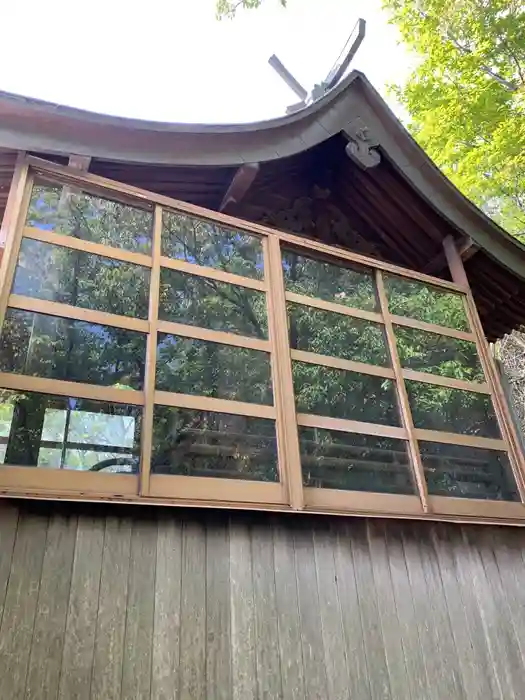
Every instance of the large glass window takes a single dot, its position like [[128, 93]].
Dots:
[[260, 362]]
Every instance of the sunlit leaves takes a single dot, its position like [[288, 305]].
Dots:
[[465, 97]]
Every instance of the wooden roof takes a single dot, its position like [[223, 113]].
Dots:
[[343, 170]]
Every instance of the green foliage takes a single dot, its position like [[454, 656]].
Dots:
[[228, 8], [466, 96]]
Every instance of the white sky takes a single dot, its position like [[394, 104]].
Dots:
[[171, 60]]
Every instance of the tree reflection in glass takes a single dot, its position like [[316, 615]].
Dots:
[[207, 243], [40, 430], [209, 444], [66, 210], [190, 366]]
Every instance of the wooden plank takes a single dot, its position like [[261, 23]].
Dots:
[[402, 396], [289, 622], [61, 239], [79, 639], [151, 357], [18, 620], [213, 336], [514, 648], [335, 655], [361, 502], [440, 679], [212, 273], [371, 626], [332, 306], [431, 328], [393, 641], [205, 403], [508, 546], [418, 684], [427, 378], [8, 527], [457, 439], [493, 625], [112, 610], [439, 614], [50, 623], [339, 363], [242, 608], [77, 389], [289, 458], [55, 308], [473, 658], [359, 686], [315, 680], [350, 426], [67, 482], [11, 230], [193, 613], [166, 628], [136, 672], [218, 614], [268, 672], [202, 488], [477, 508]]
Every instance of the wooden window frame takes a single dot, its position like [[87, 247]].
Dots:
[[289, 493]]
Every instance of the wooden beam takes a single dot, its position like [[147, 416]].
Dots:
[[240, 184], [466, 249]]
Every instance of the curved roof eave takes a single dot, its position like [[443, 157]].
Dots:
[[33, 125]]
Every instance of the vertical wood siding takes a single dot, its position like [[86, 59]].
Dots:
[[115, 603]]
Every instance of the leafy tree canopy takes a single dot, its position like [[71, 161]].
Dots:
[[466, 97]]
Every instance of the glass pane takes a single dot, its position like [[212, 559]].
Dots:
[[334, 460], [339, 394], [60, 348], [189, 366], [468, 472], [198, 301], [206, 243], [351, 286], [452, 410], [425, 303], [68, 433], [328, 333], [202, 443], [46, 271], [438, 354], [82, 215]]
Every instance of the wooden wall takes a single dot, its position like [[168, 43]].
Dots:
[[108, 602]]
